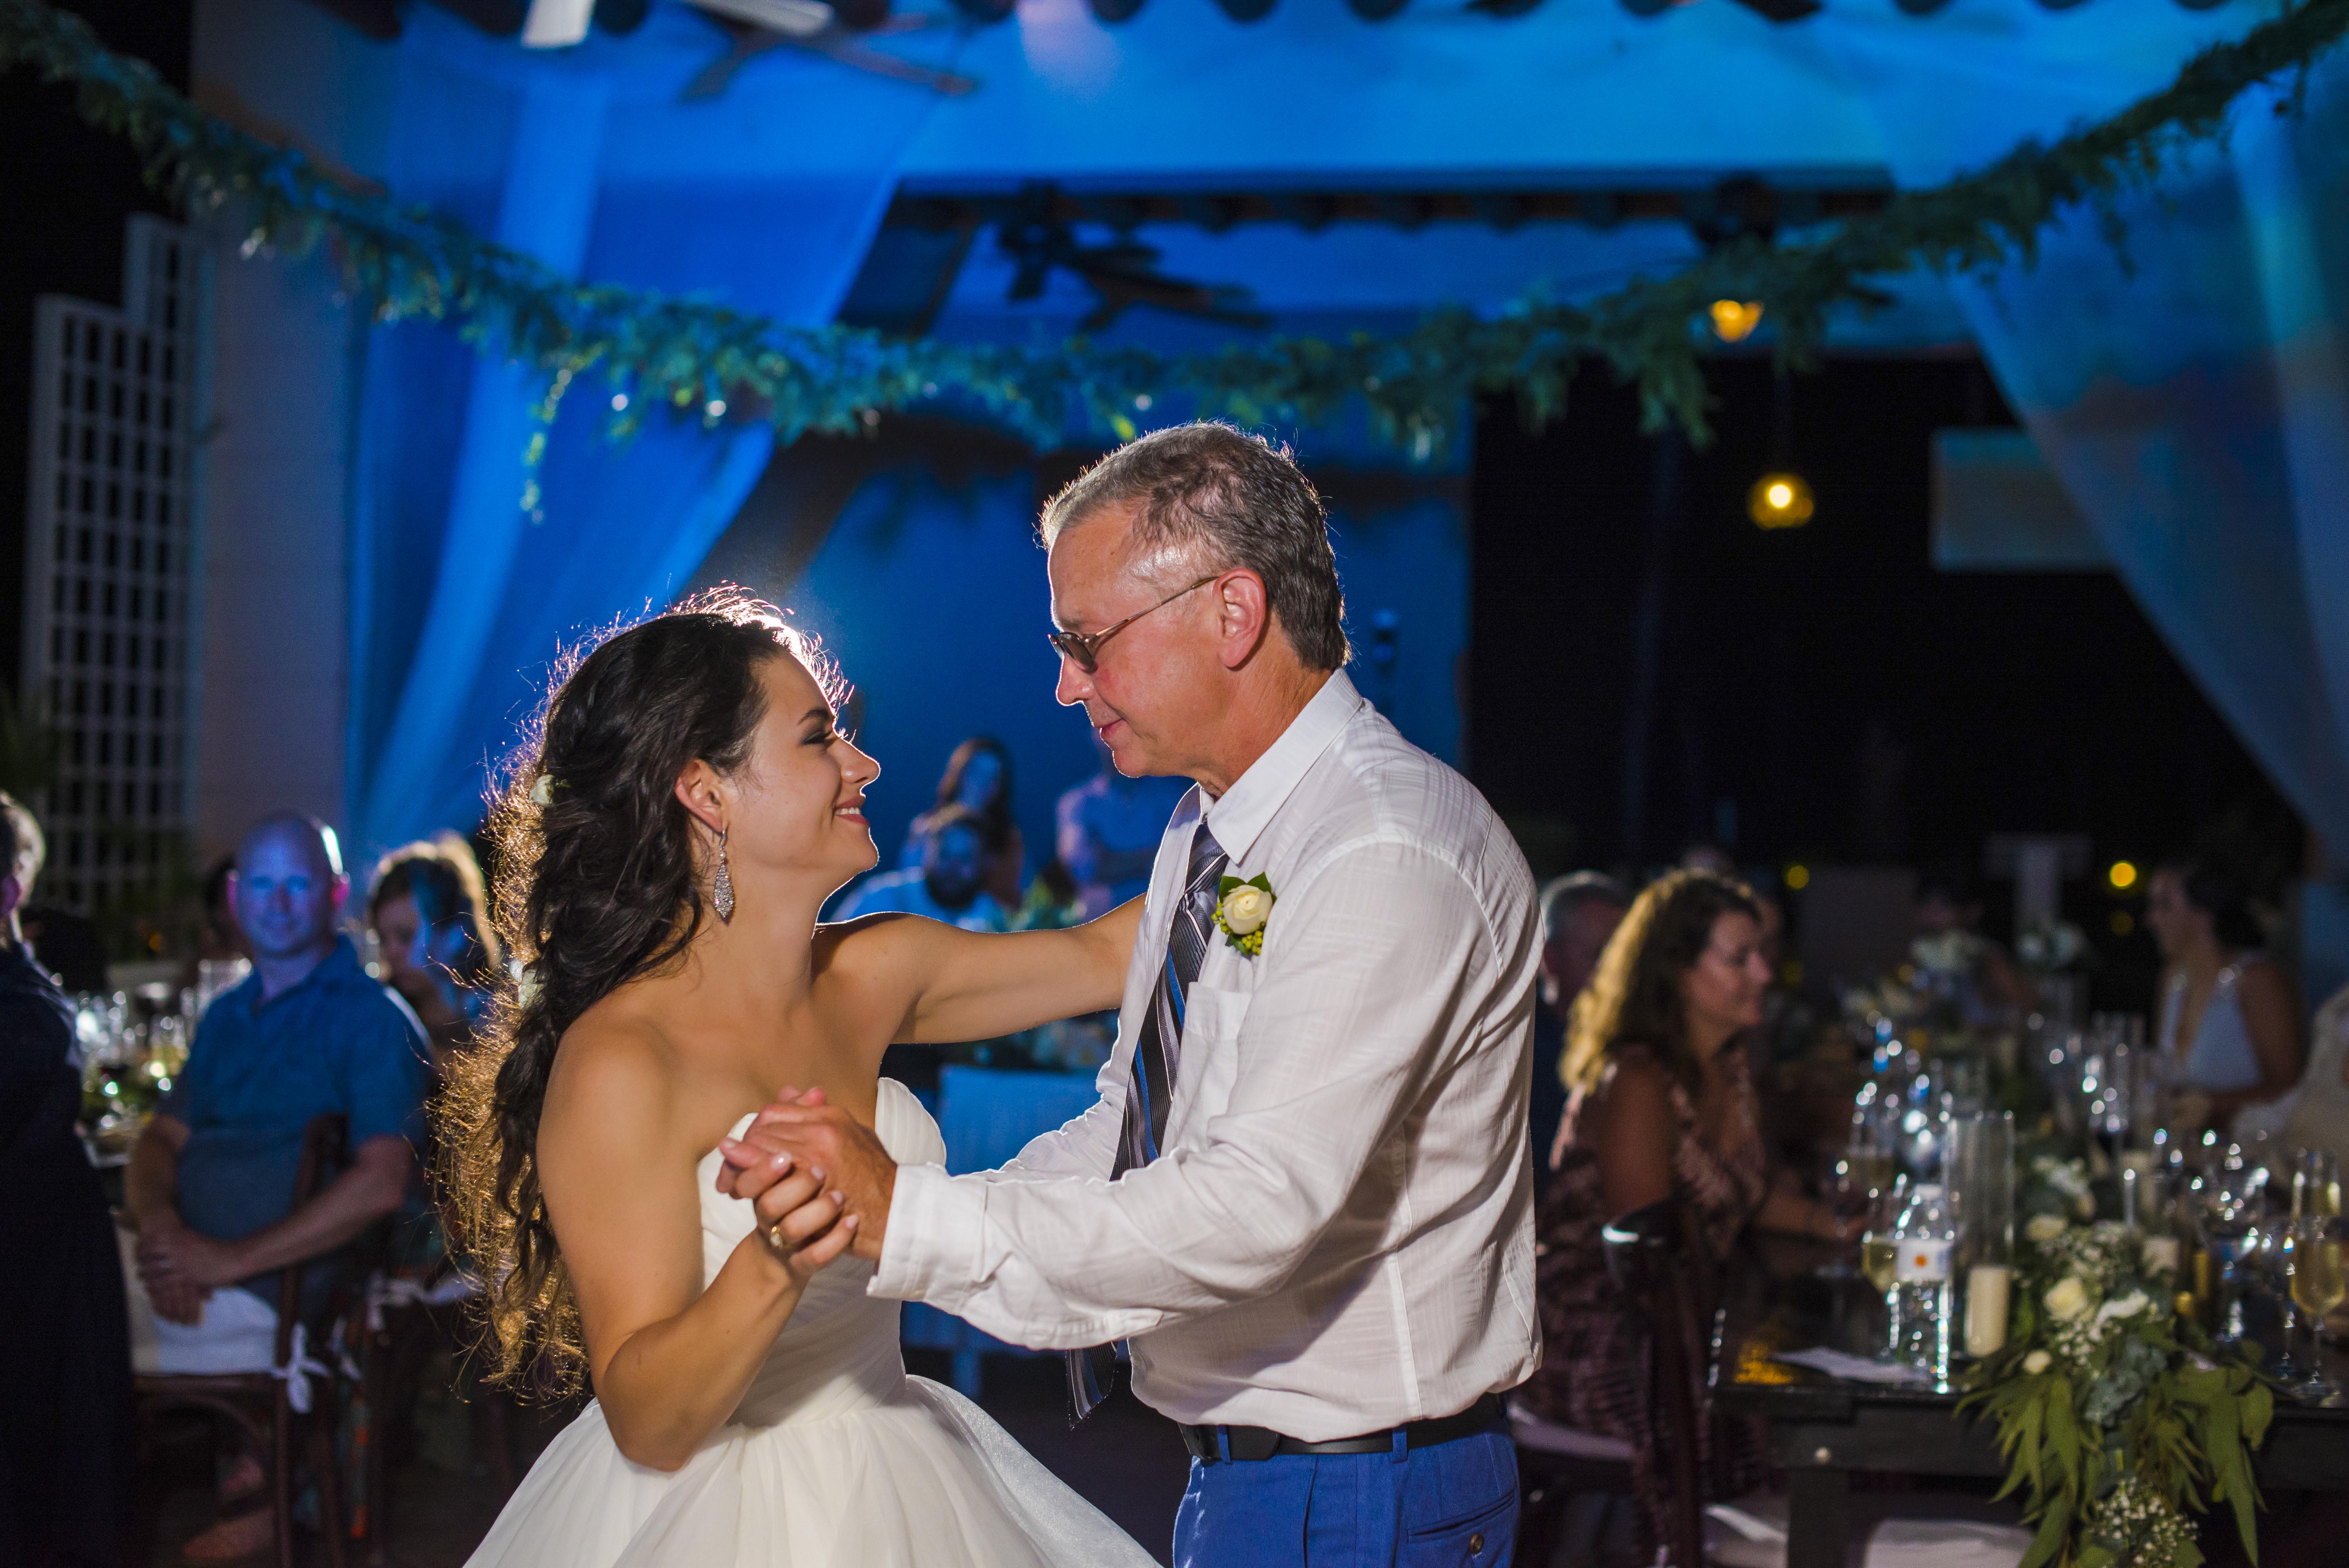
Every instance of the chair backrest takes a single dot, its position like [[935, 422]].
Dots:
[[1659, 1259], [322, 1159]]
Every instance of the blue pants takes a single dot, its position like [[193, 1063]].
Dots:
[[1449, 1505]]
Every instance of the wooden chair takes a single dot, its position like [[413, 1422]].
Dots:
[[259, 1403], [1660, 1259]]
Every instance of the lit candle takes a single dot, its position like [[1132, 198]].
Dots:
[[1986, 1291]]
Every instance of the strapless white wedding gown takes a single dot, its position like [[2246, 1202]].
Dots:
[[834, 1456]]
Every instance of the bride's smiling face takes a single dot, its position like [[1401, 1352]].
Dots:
[[796, 805]]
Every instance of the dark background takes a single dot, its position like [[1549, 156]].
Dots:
[[1822, 694], [67, 189]]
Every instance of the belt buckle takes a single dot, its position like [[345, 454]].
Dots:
[[1252, 1442]]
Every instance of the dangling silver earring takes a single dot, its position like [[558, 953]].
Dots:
[[721, 893]]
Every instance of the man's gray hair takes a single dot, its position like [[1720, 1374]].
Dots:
[[1246, 500], [1561, 896]]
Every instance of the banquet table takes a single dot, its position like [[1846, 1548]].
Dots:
[[1822, 1428]]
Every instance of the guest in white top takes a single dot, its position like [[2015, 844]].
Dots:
[[1304, 1196], [2230, 1025]]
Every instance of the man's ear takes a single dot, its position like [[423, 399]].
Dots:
[[1243, 617], [703, 794]]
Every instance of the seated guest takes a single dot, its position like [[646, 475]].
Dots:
[[211, 1182], [2229, 1026], [1988, 989], [1579, 914], [1107, 831], [950, 885], [2317, 1112], [1661, 1106], [66, 1454], [220, 959], [977, 778], [432, 930]]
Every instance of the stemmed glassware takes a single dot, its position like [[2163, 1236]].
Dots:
[[1878, 1257], [1847, 1186], [2313, 1253], [2315, 1194], [2231, 1234]]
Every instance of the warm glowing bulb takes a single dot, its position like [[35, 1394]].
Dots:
[[1779, 500], [1733, 321], [1798, 877], [2123, 875]]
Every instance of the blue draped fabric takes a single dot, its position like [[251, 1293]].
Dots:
[[462, 600], [2190, 390]]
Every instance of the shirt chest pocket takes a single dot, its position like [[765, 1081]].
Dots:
[[1210, 1060]]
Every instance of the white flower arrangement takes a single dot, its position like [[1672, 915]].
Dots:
[[2051, 946], [1948, 952], [2119, 1420]]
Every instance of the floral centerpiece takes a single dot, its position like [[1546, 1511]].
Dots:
[[2119, 1419]]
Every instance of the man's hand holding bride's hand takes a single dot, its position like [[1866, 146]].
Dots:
[[833, 1153]]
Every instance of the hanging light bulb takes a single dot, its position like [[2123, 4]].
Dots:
[[1779, 500], [1733, 321]]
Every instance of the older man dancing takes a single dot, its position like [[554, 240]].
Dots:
[[1303, 1202]]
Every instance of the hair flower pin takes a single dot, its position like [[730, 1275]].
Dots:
[[543, 792], [1241, 909]]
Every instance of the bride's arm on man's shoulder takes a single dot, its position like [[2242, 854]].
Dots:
[[945, 984], [669, 1360]]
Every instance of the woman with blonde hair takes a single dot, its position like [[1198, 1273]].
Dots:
[[1661, 1105]]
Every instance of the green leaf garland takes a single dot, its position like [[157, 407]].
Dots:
[[704, 361]]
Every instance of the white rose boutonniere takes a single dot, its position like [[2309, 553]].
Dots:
[[2068, 1299], [1241, 909]]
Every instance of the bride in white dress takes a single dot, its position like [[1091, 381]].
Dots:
[[667, 845]]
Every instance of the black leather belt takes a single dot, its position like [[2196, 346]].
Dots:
[[1263, 1443]]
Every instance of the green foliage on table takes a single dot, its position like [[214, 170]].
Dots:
[[2119, 1420], [707, 362]]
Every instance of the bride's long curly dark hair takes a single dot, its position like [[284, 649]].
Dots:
[[598, 882]]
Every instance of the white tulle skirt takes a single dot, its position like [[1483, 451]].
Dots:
[[921, 1480]]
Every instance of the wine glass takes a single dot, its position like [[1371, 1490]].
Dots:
[[2316, 1289], [1847, 1190], [2315, 1184], [1878, 1255], [2231, 1235]]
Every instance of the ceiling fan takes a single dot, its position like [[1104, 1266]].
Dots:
[[755, 27]]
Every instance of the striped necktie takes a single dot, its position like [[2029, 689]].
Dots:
[[1158, 1057]]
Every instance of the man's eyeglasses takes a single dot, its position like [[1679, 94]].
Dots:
[[1083, 650]]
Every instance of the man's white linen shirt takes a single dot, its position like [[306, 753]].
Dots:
[[1338, 1235]]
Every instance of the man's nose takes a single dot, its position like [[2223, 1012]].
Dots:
[[1073, 685]]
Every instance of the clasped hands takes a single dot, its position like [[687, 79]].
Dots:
[[806, 1165], [181, 1267]]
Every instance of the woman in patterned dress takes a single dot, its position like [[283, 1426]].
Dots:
[[1661, 1106]]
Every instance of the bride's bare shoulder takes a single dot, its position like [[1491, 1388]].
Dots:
[[614, 1072]]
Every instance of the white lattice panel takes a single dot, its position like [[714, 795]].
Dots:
[[110, 545]]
